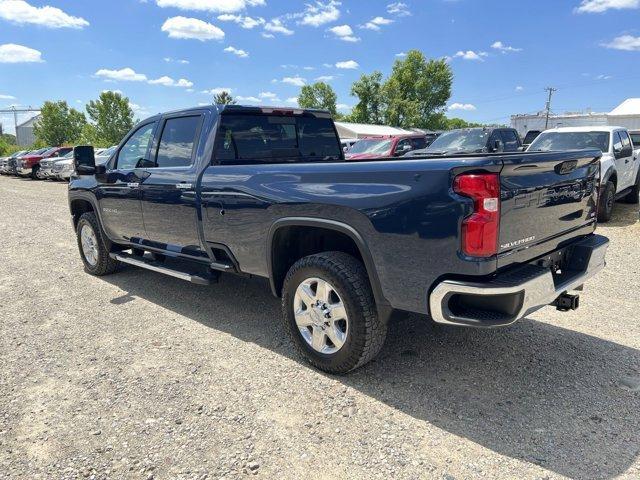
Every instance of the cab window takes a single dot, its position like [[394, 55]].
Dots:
[[177, 142], [134, 152]]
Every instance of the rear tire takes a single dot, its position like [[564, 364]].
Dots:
[[93, 249], [34, 173], [605, 203], [633, 197], [352, 332]]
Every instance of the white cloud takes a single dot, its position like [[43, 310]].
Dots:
[[325, 78], [217, 6], [268, 95], [344, 33], [376, 23], [170, 82], [292, 100], [20, 12], [237, 51], [124, 75], [604, 77], [12, 53], [628, 43], [347, 65], [7, 97], [172, 60], [401, 54], [183, 27], [139, 110], [240, 98], [519, 88], [398, 8], [599, 6], [343, 107], [245, 22], [277, 26], [268, 35], [319, 13], [468, 107], [295, 81], [218, 90], [471, 55], [119, 92], [504, 48]]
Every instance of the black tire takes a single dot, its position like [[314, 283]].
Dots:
[[606, 201], [633, 197], [104, 264], [366, 332], [34, 172]]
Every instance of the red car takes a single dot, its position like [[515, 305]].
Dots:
[[385, 146], [28, 165]]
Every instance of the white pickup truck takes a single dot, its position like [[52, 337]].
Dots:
[[619, 165]]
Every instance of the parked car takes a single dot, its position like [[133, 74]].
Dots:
[[343, 243], [347, 143], [47, 165], [29, 165], [15, 164], [63, 169], [635, 138], [105, 155], [385, 146], [473, 140], [620, 166], [4, 162], [530, 137], [431, 136]]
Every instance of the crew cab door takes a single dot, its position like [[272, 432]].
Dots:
[[118, 190], [168, 192], [623, 153]]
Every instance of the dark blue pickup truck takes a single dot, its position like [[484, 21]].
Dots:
[[474, 240]]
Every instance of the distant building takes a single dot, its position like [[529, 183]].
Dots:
[[627, 114], [24, 132], [348, 130]]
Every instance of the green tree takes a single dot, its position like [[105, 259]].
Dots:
[[453, 123], [8, 138], [369, 108], [112, 117], [58, 124], [417, 91], [318, 95], [223, 98]]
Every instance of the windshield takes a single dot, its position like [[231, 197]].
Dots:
[[371, 146], [68, 155], [559, 141], [107, 152], [461, 140]]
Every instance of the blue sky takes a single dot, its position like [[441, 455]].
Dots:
[[167, 54]]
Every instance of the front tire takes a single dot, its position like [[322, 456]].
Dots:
[[606, 201], [330, 314], [93, 250]]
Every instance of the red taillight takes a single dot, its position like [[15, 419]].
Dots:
[[480, 229]]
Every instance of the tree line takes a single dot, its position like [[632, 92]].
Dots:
[[414, 95]]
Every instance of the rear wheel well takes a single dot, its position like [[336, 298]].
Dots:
[[291, 243], [78, 207]]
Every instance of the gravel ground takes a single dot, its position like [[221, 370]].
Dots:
[[138, 375]]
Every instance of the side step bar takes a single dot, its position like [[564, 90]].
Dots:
[[156, 267]]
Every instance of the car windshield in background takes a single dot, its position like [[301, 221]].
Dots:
[[461, 141], [562, 141], [267, 138], [108, 152], [635, 138], [371, 146]]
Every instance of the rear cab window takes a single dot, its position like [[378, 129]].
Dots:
[[266, 138], [178, 140]]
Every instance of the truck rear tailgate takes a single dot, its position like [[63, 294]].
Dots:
[[546, 199]]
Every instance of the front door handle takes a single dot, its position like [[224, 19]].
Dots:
[[133, 185], [184, 186]]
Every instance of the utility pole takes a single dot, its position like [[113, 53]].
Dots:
[[550, 90]]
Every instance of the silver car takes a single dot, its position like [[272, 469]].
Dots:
[[46, 166]]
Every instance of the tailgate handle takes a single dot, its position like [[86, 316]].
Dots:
[[566, 167]]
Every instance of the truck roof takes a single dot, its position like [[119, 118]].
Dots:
[[218, 109], [595, 128]]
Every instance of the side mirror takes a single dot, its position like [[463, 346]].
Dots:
[[84, 160], [402, 150]]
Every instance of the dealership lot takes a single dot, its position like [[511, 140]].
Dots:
[[142, 375]]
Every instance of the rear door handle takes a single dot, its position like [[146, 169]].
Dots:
[[184, 186], [133, 185]]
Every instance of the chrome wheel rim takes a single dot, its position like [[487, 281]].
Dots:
[[320, 315], [89, 243]]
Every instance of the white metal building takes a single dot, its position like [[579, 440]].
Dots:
[[24, 132], [361, 130], [627, 114]]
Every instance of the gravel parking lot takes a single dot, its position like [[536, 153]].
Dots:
[[138, 375]]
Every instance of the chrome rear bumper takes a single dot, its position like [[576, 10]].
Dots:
[[512, 295]]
